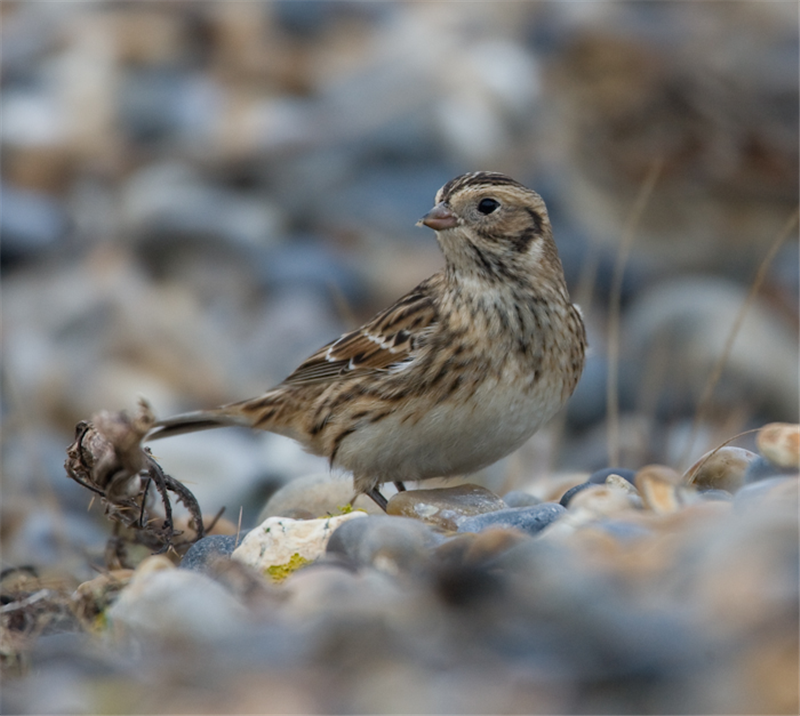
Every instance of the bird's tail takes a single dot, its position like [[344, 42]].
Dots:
[[198, 420]]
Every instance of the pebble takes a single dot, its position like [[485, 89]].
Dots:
[[170, 206], [605, 499], [391, 544], [45, 537], [600, 476], [660, 489], [150, 104], [479, 547], [203, 552], [93, 597], [780, 444], [520, 498], [762, 469], [621, 529], [280, 544], [530, 520], [445, 507], [622, 484], [686, 321], [587, 406], [569, 494], [31, 223], [167, 605], [315, 495], [769, 489], [307, 264], [327, 589], [722, 469]]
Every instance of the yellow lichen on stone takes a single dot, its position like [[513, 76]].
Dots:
[[277, 539], [279, 572]]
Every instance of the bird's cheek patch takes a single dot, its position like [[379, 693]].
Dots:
[[523, 240]]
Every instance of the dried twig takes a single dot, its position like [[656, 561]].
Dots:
[[107, 458]]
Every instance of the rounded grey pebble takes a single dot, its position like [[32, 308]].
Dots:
[[600, 476], [402, 540], [752, 494], [762, 469], [519, 498], [569, 494], [202, 552], [528, 519]]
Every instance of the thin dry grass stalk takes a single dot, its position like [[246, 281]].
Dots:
[[614, 303], [688, 477], [704, 403]]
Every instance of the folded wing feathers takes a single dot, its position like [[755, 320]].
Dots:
[[388, 343]]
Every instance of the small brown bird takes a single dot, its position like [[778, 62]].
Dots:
[[456, 374]]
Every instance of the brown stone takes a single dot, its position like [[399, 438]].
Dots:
[[659, 488], [445, 507], [721, 469], [780, 444]]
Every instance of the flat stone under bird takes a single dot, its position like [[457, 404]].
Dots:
[[456, 374]]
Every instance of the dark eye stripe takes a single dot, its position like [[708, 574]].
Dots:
[[523, 239], [536, 218]]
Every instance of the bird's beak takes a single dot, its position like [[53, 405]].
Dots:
[[439, 218]]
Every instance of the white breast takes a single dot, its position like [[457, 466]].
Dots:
[[449, 439]]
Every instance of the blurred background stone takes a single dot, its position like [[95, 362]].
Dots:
[[194, 196]]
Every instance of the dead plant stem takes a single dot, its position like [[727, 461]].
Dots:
[[614, 304], [716, 372]]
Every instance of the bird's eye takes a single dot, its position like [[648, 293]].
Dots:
[[487, 206]]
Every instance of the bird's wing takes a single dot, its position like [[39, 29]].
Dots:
[[387, 342]]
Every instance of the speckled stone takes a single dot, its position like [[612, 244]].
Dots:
[[722, 469], [530, 520], [445, 507], [780, 444], [283, 541], [622, 484], [206, 550]]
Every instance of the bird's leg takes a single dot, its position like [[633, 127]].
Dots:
[[378, 498], [400, 486]]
